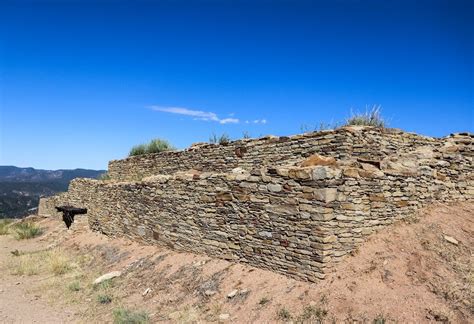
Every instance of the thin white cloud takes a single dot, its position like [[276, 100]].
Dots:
[[256, 121], [204, 115], [201, 115], [229, 121]]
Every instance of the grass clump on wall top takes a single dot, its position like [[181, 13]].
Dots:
[[154, 146], [371, 117]]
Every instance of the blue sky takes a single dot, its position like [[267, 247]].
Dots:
[[83, 81]]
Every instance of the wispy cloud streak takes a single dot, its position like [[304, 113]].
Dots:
[[204, 115], [256, 121], [196, 114]]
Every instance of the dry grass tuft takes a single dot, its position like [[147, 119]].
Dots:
[[25, 230], [58, 262], [54, 261], [312, 314], [5, 226], [25, 265], [126, 316], [371, 117], [188, 314], [154, 146]]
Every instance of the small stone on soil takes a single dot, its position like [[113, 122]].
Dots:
[[107, 276], [451, 240], [232, 293], [210, 293], [224, 317]]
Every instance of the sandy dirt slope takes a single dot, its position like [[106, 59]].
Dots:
[[408, 272]]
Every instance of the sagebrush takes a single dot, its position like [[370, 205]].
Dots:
[[125, 316], [154, 146]]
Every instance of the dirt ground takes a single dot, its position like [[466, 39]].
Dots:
[[17, 304], [409, 272]]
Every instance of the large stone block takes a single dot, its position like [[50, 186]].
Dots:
[[324, 172], [326, 195]]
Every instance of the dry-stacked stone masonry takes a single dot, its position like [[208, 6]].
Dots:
[[294, 205]]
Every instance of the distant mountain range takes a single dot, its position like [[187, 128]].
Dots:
[[21, 188]]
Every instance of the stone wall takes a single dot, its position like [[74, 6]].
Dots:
[[366, 142], [297, 218]]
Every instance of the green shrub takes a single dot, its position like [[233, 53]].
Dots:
[[322, 126], [104, 176], [371, 117], [125, 316], [380, 319], [138, 150], [312, 314], [159, 145], [264, 301], [105, 285], [74, 286], [26, 230], [283, 314], [154, 146], [104, 299], [223, 139], [213, 139], [4, 226]]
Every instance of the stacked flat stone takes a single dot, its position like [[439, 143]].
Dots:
[[294, 205]]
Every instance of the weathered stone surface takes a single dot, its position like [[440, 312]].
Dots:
[[224, 196], [300, 173], [327, 194], [324, 172], [351, 172], [318, 160], [370, 171], [406, 166], [107, 276], [274, 187], [233, 293], [284, 172], [451, 240], [224, 317]]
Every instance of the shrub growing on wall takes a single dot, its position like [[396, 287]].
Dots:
[[371, 117], [223, 139], [138, 150], [154, 146]]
